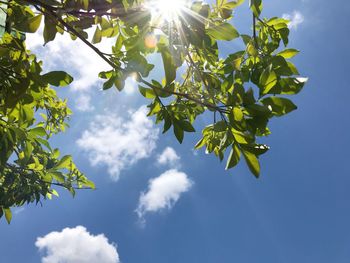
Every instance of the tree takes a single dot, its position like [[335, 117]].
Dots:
[[242, 91]]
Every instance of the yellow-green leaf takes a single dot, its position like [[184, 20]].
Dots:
[[50, 30], [268, 80], [288, 53], [58, 78], [224, 31], [279, 106], [233, 158], [232, 4], [65, 162], [8, 214], [97, 36], [30, 25], [252, 162], [147, 93]]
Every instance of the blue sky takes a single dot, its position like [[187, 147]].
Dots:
[[298, 211]]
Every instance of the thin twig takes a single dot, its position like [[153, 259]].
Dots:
[[184, 95]]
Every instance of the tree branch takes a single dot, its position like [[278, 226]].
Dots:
[[49, 11], [254, 32], [184, 95]]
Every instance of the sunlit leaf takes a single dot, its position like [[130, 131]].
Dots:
[[58, 78], [279, 106], [252, 162], [224, 31]]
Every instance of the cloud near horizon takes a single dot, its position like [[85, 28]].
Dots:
[[76, 245]]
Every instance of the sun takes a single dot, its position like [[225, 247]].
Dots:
[[168, 10]]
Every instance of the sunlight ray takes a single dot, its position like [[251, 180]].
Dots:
[[164, 10]]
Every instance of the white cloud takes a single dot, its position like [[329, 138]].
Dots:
[[296, 18], [76, 58], [73, 56], [130, 86], [163, 192], [119, 142], [76, 245], [168, 157], [83, 103]]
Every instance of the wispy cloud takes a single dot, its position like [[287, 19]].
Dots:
[[119, 142], [76, 245], [296, 18], [163, 192], [83, 103], [18, 210], [169, 157]]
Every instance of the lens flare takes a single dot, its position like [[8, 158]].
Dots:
[[151, 41]]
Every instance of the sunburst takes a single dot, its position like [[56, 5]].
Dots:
[[166, 10]]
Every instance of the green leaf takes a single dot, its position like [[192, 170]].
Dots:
[[277, 22], [90, 184], [147, 93], [268, 80], [200, 143], [233, 158], [292, 86], [241, 137], [138, 63], [106, 74], [288, 53], [169, 65], [119, 83], [224, 31], [50, 30], [292, 68], [38, 131], [220, 126], [256, 7], [64, 163], [186, 126], [109, 83], [257, 149], [58, 176], [44, 142], [232, 4], [85, 4], [154, 108], [97, 36], [252, 162], [179, 133], [56, 153], [252, 50], [8, 214], [167, 123], [284, 32], [279, 106], [58, 78], [29, 25]]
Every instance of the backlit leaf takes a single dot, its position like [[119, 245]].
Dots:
[[224, 31], [58, 78]]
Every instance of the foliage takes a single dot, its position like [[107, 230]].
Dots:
[[30, 113], [242, 91]]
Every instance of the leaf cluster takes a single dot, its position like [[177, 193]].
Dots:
[[30, 114]]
